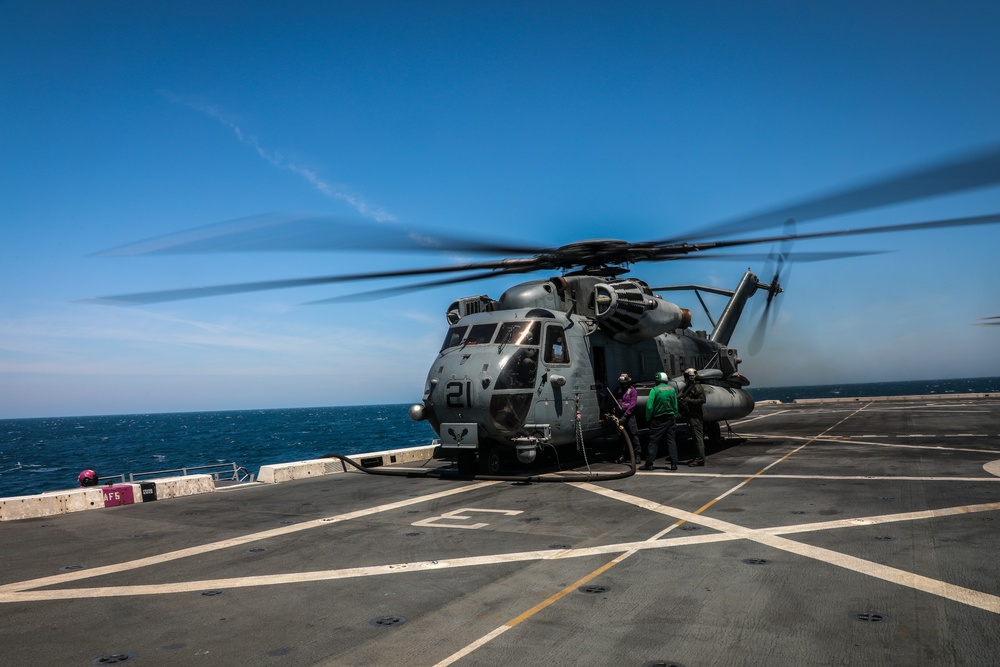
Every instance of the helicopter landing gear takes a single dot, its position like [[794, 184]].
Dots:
[[487, 460], [490, 460], [467, 462], [713, 432]]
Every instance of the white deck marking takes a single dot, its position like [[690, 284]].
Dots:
[[24, 595], [770, 537], [865, 478], [850, 441], [773, 537], [882, 519], [482, 641], [231, 542], [234, 487], [461, 514], [960, 594], [629, 552], [728, 531], [758, 417]]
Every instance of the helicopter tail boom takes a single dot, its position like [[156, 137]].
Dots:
[[731, 315]]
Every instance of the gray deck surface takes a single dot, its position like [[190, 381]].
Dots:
[[857, 533]]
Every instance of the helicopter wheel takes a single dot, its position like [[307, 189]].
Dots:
[[490, 460], [713, 432], [467, 463]]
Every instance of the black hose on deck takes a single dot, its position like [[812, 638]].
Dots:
[[586, 477]]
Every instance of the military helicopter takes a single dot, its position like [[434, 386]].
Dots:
[[531, 370]]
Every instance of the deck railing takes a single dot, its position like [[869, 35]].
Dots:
[[220, 472]]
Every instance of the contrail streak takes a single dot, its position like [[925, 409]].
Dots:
[[279, 161]]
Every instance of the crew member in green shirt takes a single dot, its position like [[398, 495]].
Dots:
[[661, 415]]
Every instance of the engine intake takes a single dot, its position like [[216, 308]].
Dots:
[[629, 312]]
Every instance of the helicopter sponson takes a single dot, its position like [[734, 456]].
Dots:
[[533, 369]]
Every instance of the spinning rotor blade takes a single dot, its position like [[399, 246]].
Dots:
[[803, 257], [770, 314], [501, 267], [684, 248], [327, 232], [405, 289], [767, 318], [756, 343], [569, 256], [964, 173], [565, 257], [289, 232], [983, 323]]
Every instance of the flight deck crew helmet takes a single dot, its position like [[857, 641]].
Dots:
[[689, 371], [624, 379], [88, 478], [661, 377]]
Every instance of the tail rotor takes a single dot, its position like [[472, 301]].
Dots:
[[780, 261]]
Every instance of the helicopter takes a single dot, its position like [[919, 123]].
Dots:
[[532, 370]]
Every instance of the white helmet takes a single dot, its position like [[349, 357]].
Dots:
[[661, 377], [690, 371]]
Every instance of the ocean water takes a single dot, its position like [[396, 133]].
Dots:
[[985, 385], [47, 454]]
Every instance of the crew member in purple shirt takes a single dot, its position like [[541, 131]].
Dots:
[[627, 398]]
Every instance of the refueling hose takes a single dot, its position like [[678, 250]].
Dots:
[[583, 477]]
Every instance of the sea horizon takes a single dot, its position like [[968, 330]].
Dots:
[[39, 454], [760, 393]]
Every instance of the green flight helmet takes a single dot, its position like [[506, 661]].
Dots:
[[661, 377]]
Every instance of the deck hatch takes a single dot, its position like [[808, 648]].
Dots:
[[593, 589], [387, 621], [113, 658], [869, 616]]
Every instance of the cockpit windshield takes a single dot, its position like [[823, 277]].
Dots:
[[518, 333], [453, 337], [478, 334], [481, 333]]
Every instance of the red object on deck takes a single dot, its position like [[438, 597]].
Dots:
[[118, 494]]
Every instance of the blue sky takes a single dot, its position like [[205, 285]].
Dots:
[[539, 122]]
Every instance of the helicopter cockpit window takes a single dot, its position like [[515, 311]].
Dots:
[[481, 333], [518, 333], [519, 370], [453, 337], [556, 351]]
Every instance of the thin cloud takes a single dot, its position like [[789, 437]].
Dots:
[[276, 159], [147, 342]]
